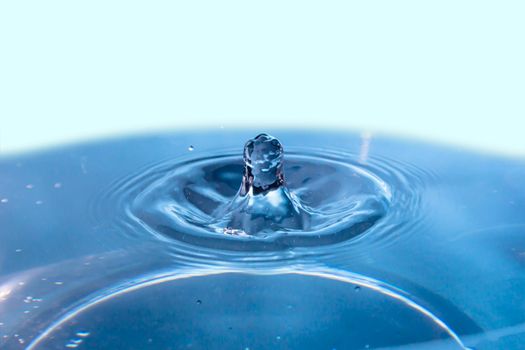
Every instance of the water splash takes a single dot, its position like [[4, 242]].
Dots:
[[263, 203], [259, 202]]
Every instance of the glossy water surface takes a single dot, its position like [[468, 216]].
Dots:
[[148, 243]]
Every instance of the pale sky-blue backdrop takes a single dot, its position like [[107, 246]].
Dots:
[[445, 71]]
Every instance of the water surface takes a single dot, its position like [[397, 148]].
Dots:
[[122, 244]]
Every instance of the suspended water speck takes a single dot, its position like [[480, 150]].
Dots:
[[4, 200], [59, 283], [357, 288], [18, 250], [39, 202], [29, 186], [57, 185], [83, 334], [191, 148]]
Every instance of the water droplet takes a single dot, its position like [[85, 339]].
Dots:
[[59, 283], [18, 250], [29, 186], [39, 202], [57, 185], [263, 157], [357, 288], [199, 301], [191, 148], [4, 200], [83, 334]]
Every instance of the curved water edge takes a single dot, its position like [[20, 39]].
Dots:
[[358, 283]]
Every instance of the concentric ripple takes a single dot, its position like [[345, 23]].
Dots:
[[185, 200]]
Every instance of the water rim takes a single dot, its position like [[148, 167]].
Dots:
[[165, 276]]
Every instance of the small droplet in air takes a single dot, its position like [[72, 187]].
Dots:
[[4, 200], [191, 148], [30, 186], [57, 185]]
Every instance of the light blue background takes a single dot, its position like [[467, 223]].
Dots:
[[445, 71]]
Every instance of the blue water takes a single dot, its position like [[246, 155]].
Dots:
[[150, 243]]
